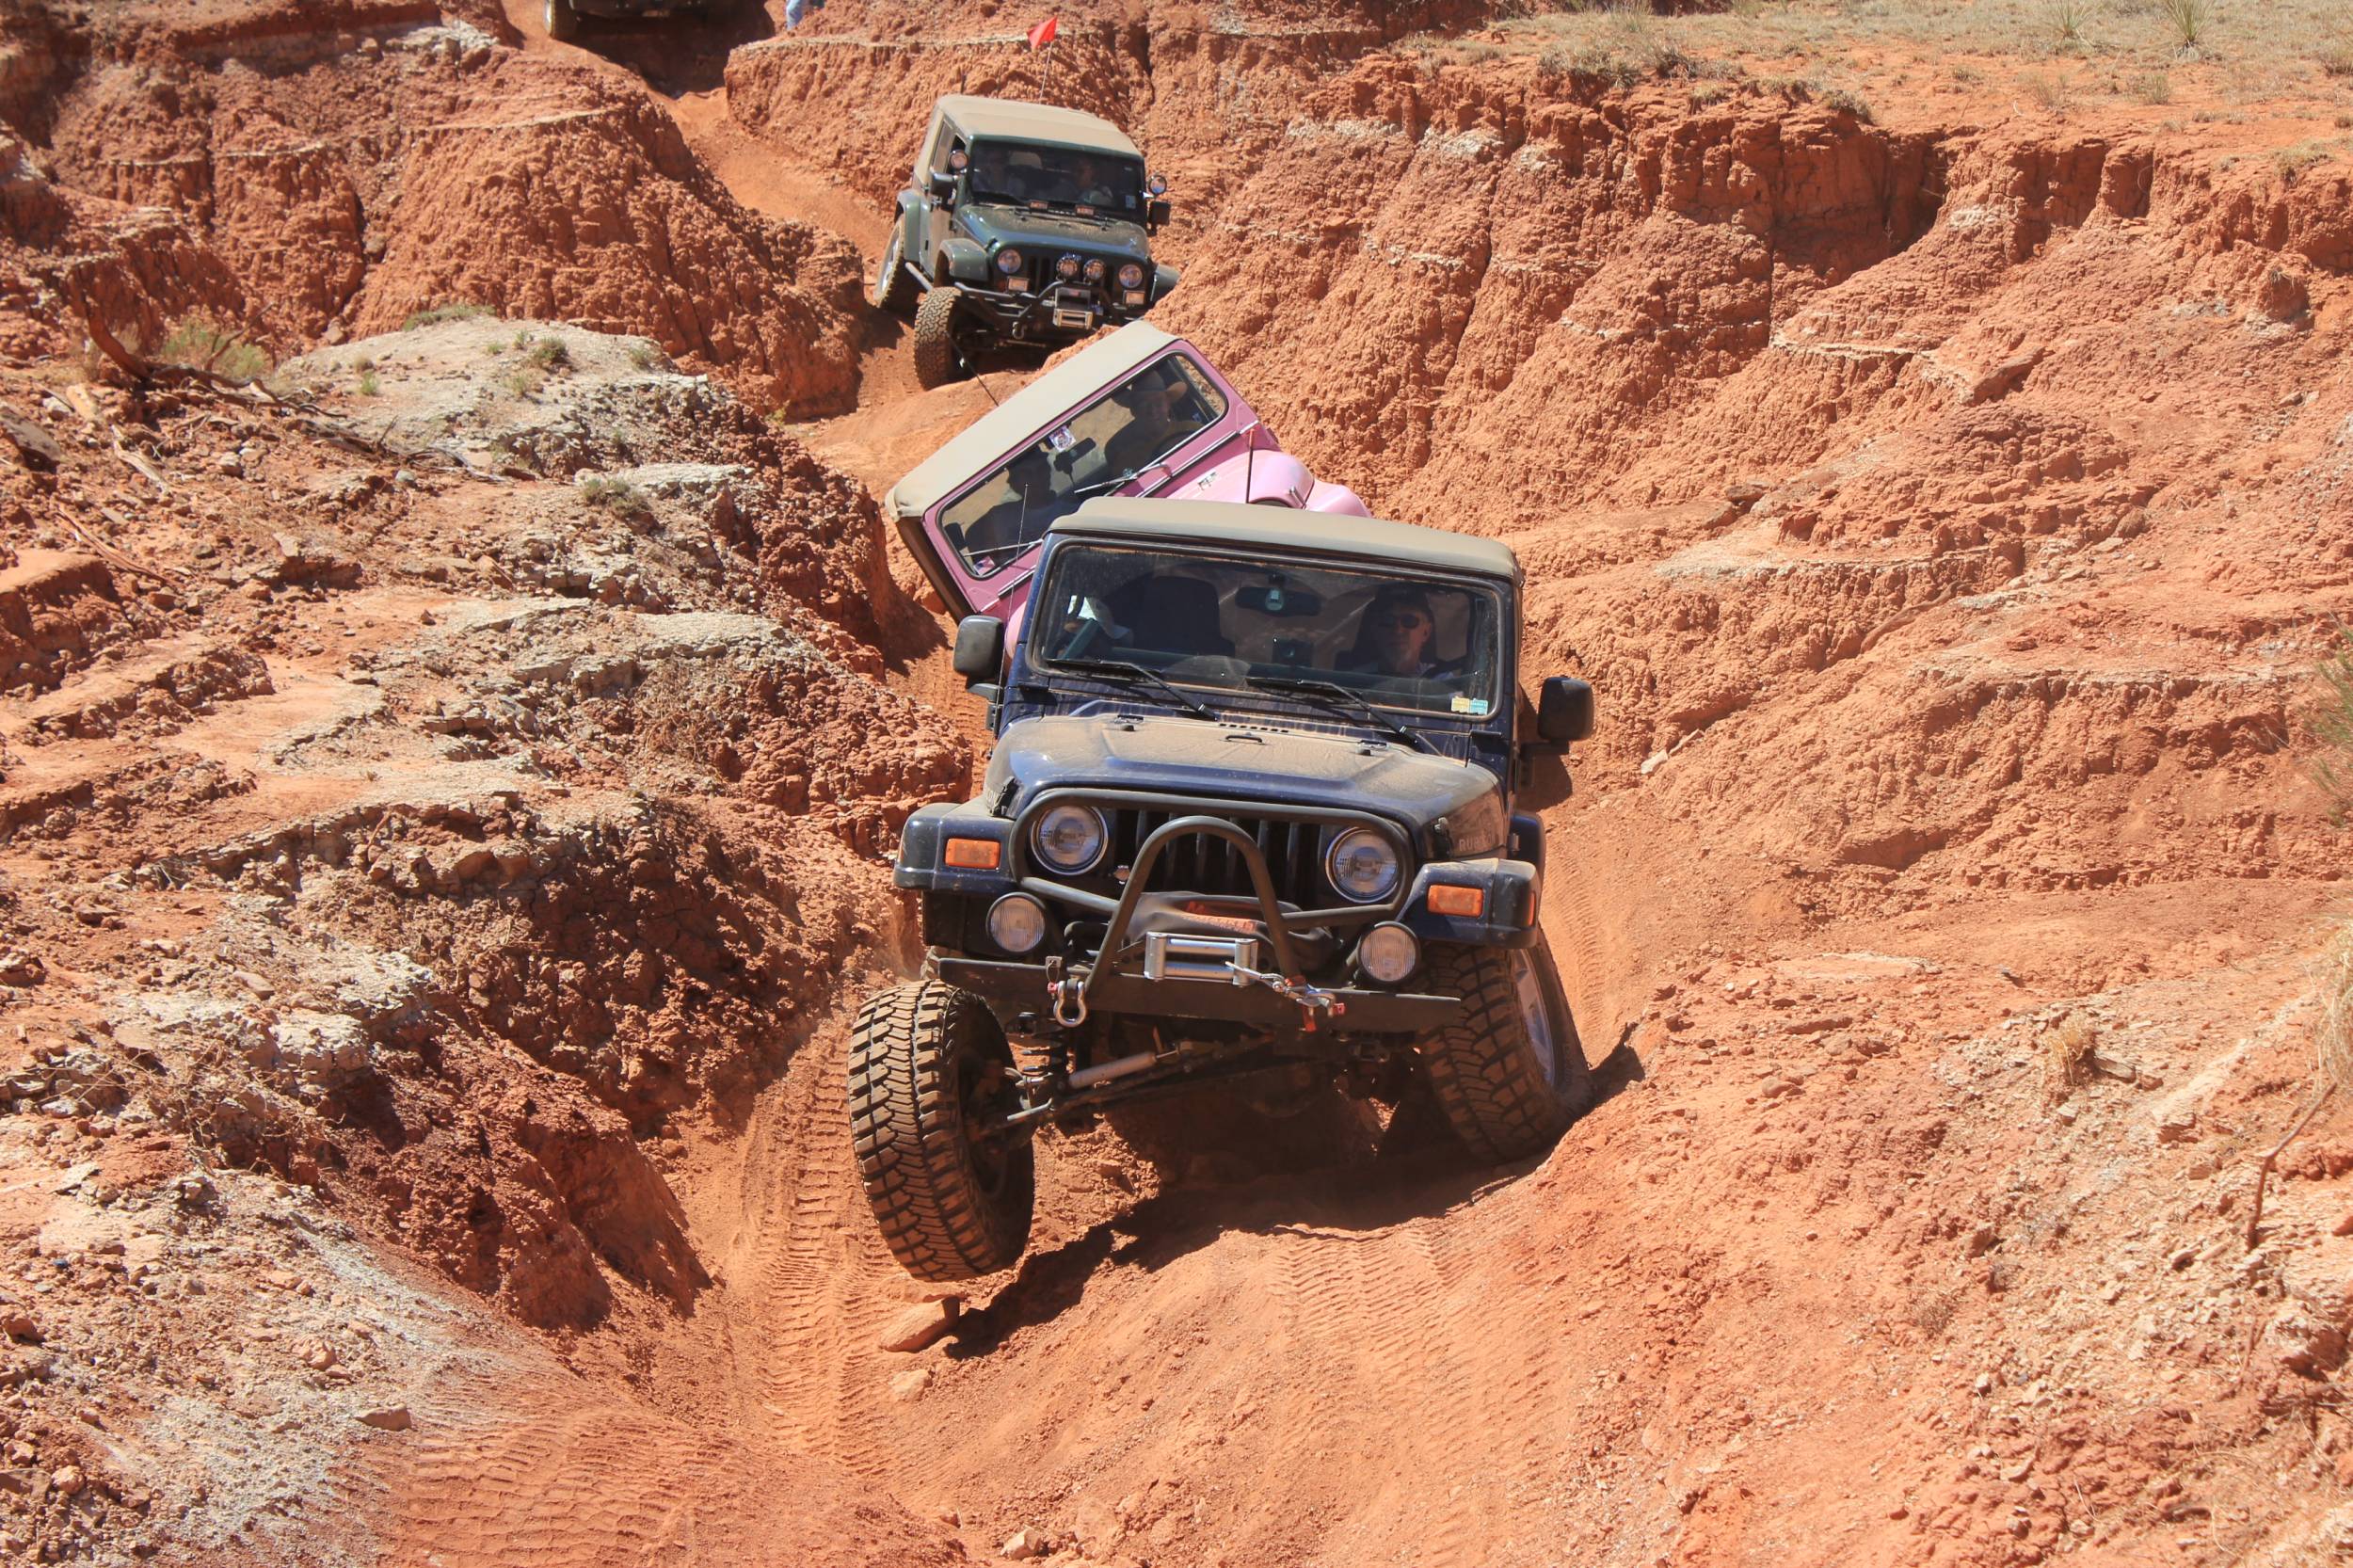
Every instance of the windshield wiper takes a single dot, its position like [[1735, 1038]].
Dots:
[[1334, 695], [1129, 673]]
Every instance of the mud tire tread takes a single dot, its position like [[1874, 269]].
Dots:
[[938, 1218], [1482, 1069], [936, 363]]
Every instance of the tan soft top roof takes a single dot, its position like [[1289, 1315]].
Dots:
[[1018, 121], [989, 439], [1227, 523]]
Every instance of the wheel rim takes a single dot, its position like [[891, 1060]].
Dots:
[[1536, 1017], [547, 13], [888, 274]]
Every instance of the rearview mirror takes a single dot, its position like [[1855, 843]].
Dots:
[[1565, 711], [1275, 598], [980, 647]]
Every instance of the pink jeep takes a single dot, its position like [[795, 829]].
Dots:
[[1138, 413]]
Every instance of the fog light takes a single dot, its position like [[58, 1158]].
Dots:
[[1446, 897], [1019, 285], [1387, 954], [1135, 296], [1017, 922], [973, 855]]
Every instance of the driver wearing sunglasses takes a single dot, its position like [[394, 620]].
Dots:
[[1395, 634]]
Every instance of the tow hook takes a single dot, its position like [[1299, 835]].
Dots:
[[1068, 994], [1312, 1000]]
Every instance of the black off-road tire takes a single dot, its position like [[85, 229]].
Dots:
[[563, 21], [892, 290], [937, 360], [1487, 1070], [952, 1206]]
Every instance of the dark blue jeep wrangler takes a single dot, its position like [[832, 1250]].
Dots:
[[1249, 815]]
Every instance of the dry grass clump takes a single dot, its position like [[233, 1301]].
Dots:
[[1932, 1314], [2185, 19], [2150, 87], [2067, 1048], [2049, 92], [2331, 726], [617, 496], [455, 311], [2332, 992]]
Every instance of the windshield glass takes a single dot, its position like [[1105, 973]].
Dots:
[[1058, 176], [1119, 435], [1388, 638]]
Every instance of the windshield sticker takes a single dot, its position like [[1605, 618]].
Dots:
[[1061, 439], [1475, 706]]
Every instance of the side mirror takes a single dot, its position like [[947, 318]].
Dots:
[[1565, 711], [943, 186], [980, 647], [1156, 215]]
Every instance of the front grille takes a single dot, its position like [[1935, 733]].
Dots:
[[1203, 863]]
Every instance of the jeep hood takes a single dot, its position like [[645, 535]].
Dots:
[[1108, 237], [1244, 762]]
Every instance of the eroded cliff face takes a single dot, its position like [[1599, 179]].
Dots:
[[444, 815]]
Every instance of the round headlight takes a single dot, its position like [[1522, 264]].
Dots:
[[1094, 270], [1017, 922], [1067, 268], [1387, 954], [1132, 277], [1009, 260], [1070, 839], [1362, 866]]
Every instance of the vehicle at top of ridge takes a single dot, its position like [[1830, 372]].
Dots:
[[1136, 412], [563, 18], [1248, 827], [1022, 223]]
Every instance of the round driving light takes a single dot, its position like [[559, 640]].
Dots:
[[1067, 268], [1158, 185], [1070, 839], [1362, 866], [1016, 923], [1009, 260], [1132, 277], [958, 160], [1387, 954], [1094, 270]]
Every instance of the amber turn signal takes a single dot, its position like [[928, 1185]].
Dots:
[[973, 855], [1447, 899]]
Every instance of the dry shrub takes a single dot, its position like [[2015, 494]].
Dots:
[[455, 311], [2151, 86], [2052, 93], [2331, 727], [2067, 1048], [1932, 1314], [196, 343]]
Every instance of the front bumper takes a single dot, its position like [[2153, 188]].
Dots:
[[1096, 949], [1058, 312]]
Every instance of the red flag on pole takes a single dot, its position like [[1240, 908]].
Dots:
[[1042, 34]]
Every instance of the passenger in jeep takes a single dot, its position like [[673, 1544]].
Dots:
[[1162, 411], [1022, 517], [1395, 636]]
